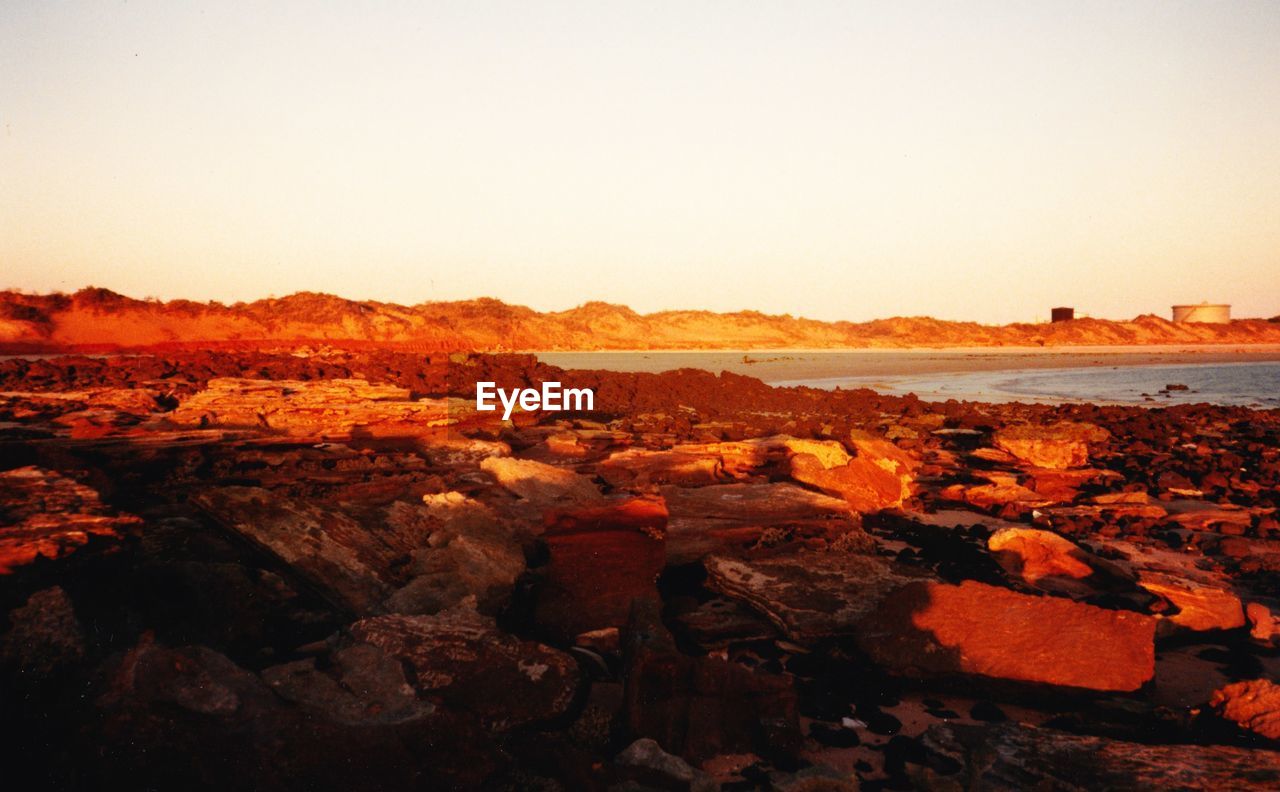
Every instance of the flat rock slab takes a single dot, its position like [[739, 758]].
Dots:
[[705, 520], [355, 566], [809, 596], [46, 514], [928, 628], [1056, 446], [462, 658], [543, 485], [1016, 757], [331, 409]]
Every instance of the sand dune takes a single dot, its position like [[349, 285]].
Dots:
[[100, 319]]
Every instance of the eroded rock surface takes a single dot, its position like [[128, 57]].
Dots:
[[465, 660]]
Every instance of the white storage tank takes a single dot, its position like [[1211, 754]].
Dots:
[[1211, 313]]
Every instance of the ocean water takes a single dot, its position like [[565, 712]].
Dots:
[[1113, 376], [1254, 385]]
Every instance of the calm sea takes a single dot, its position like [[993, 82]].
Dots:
[[1124, 376]]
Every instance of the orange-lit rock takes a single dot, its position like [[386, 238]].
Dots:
[[46, 514], [1201, 605], [544, 486], [705, 520], [1253, 705], [602, 558], [878, 477], [928, 628], [1059, 445], [336, 409], [1032, 554]]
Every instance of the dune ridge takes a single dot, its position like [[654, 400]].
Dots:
[[99, 319]]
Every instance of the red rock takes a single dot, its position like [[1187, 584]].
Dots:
[[544, 486], [1262, 623], [1033, 554], [46, 514], [697, 707], [334, 409], [975, 629], [1057, 446], [710, 519], [1253, 705], [601, 558], [879, 477], [461, 657], [1201, 605]]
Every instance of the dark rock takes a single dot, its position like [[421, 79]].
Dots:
[[461, 657], [601, 558], [1013, 756], [698, 707]]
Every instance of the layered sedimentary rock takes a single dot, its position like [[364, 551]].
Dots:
[[601, 558], [1017, 757], [1253, 705], [1059, 445], [328, 409], [933, 628], [810, 595], [356, 565], [698, 707], [706, 519], [47, 514], [405, 608], [461, 657]]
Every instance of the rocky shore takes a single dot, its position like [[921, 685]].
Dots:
[[326, 570]]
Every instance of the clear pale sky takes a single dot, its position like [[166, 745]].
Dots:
[[965, 160]]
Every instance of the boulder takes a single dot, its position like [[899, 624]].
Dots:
[[601, 557], [1253, 705], [1060, 445], [468, 553], [44, 636], [462, 658], [927, 628], [878, 477], [359, 685], [645, 760], [1202, 605], [1050, 562], [1262, 623]]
